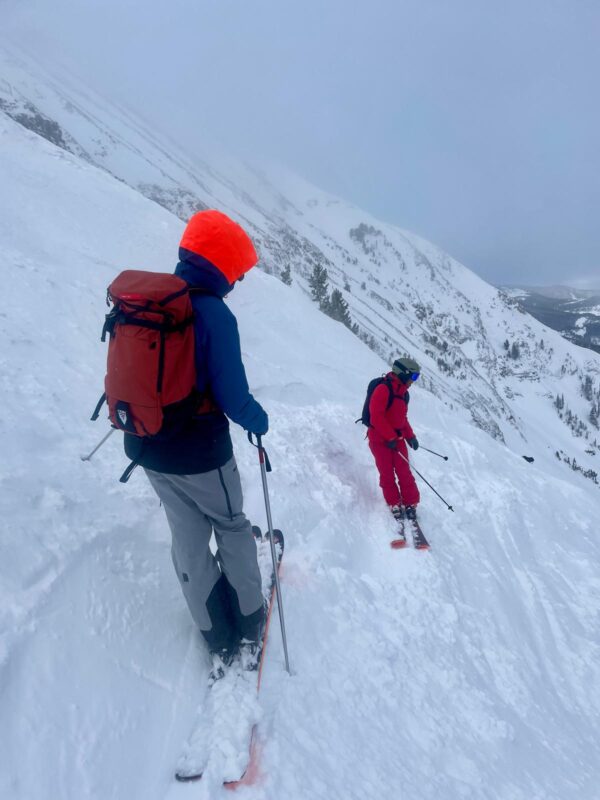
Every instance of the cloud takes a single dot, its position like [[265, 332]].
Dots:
[[477, 130]]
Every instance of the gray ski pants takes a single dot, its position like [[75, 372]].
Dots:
[[197, 505]]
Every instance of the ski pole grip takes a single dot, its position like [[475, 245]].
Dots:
[[262, 453]]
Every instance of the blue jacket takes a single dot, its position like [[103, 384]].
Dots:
[[219, 367]]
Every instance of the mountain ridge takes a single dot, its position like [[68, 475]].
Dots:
[[404, 294]]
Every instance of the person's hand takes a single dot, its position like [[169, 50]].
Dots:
[[262, 432], [261, 425], [414, 443], [392, 444]]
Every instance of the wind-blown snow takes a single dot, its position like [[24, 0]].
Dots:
[[470, 671]]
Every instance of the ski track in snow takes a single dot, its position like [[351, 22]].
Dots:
[[466, 672]]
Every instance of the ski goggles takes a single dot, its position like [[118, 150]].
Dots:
[[414, 376]]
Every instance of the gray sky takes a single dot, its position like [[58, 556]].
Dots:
[[473, 123]]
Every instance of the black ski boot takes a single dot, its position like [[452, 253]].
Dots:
[[221, 659]]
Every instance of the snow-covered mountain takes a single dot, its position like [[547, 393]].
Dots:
[[574, 313], [467, 672], [555, 292], [478, 351]]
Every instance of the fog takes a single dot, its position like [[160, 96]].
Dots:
[[475, 124]]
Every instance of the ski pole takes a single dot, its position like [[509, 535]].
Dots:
[[98, 446], [264, 467], [426, 481], [434, 453]]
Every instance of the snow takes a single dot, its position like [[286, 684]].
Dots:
[[469, 671], [405, 294]]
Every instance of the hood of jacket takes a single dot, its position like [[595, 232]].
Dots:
[[214, 253]]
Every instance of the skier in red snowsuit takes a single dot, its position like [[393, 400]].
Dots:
[[389, 433]]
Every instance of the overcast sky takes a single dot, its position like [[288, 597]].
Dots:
[[475, 123]]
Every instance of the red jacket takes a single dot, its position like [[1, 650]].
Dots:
[[388, 423]]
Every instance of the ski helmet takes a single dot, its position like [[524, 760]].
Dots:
[[406, 367]]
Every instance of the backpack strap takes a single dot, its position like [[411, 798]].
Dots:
[[127, 474], [119, 317], [101, 402], [388, 383]]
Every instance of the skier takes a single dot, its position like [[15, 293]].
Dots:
[[389, 433], [194, 472]]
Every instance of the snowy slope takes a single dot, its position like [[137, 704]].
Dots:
[[405, 294], [470, 671]]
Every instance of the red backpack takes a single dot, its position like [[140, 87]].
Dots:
[[150, 384]]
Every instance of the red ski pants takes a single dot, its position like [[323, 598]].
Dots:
[[395, 478]]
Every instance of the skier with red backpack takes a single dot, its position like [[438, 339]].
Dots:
[[389, 433], [175, 378]]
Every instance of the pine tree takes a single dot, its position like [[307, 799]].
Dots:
[[338, 308], [514, 351], [319, 287], [286, 275]]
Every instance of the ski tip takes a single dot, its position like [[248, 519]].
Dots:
[[398, 544], [252, 774]]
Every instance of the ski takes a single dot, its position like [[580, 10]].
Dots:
[[419, 540], [239, 673], [400, 541], [250, 774], [418, 537]]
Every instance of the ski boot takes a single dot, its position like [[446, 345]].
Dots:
[[221, 659]]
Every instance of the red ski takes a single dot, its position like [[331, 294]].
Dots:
[[252, 772], [400, 541]]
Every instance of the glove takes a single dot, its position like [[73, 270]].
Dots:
[[261, 423], [414, 443], [392, 444]]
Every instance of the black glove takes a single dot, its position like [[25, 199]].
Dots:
[[414, 443], [392, 444]]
